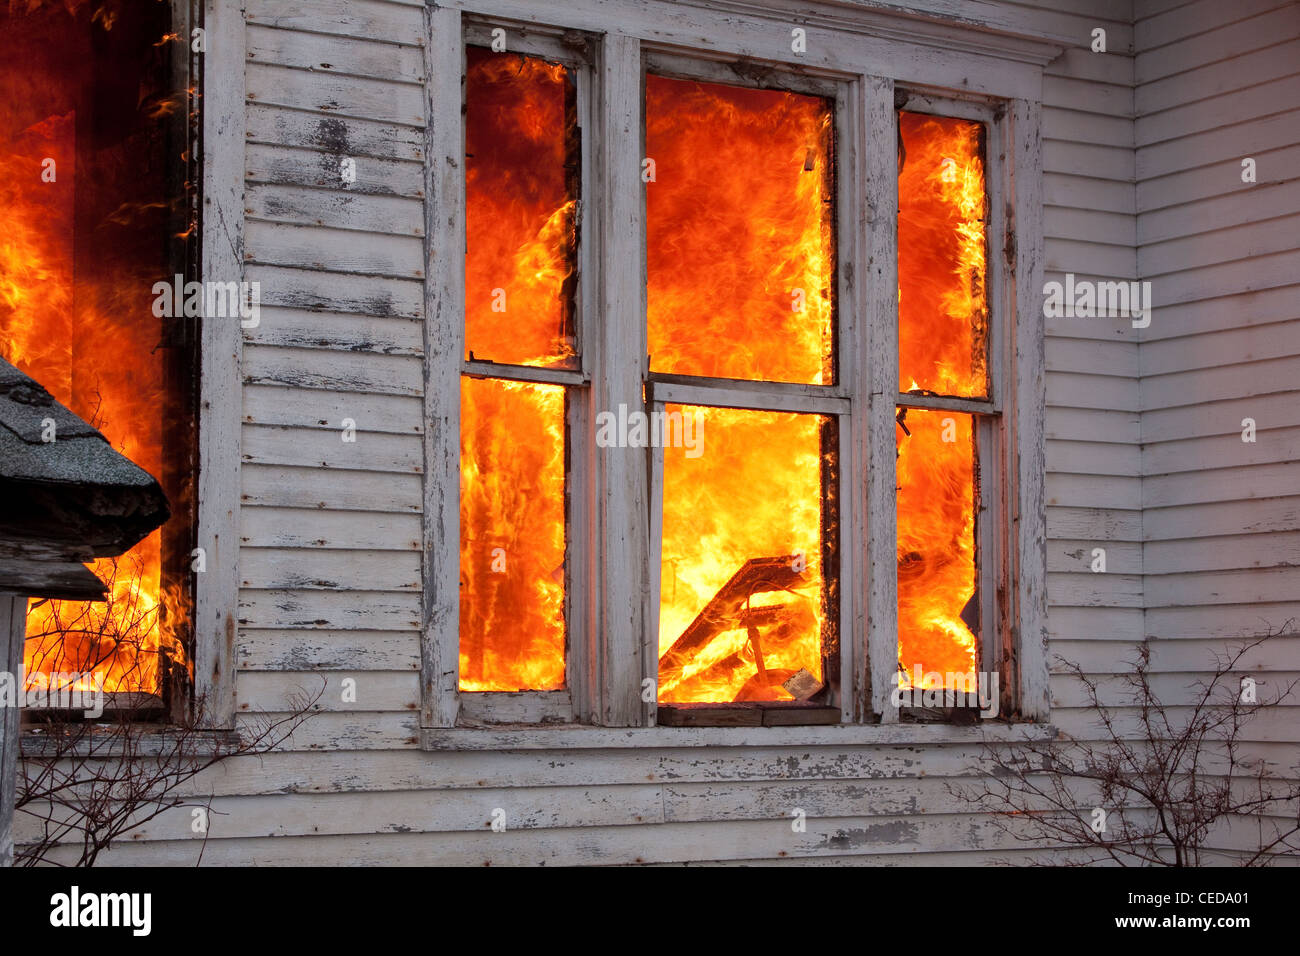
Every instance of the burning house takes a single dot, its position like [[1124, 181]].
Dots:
[[643, 417]]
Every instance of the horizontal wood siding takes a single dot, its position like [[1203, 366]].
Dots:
[[330, 562], [1217, 83], [1093, 394]]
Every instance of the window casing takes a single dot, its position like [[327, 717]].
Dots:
[[616, 494]]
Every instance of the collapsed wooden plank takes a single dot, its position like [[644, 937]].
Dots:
[[729, 610]]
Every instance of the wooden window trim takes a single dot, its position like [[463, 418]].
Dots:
[[565, 704], [216, 590], [992, 69], [589, 695]]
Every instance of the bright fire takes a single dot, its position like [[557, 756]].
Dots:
[[942, 336], [521, 187], [83, 199], [731, 504], [738, 232], [740, 285], [740, 280], [512, 536]]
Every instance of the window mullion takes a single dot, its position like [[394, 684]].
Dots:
[[444, 344], [1026, 399], [620, 594], [877, 380]]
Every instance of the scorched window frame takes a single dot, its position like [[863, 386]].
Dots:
[[983, 78]]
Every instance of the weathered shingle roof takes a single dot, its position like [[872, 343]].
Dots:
[[72, 498]]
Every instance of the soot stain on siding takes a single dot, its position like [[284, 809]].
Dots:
[[879, 833]]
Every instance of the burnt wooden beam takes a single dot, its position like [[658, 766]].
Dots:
[[727, 609], [66, 580]]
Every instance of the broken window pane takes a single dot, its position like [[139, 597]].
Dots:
[[521, 187], [938, 611], [746, 518], [738, 232], [942, 283], [512, 535]]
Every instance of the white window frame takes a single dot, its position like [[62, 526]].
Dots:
[[618, 592]]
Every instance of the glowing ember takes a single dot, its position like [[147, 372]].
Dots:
[[82, 195], [738, 232], [942, 345], [521, 185]]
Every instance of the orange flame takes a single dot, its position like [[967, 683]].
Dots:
[[738, 252], [512, 536], [78, 256], [740, 277], [942, 348], [519, 221], [754, 491], [520, 240]]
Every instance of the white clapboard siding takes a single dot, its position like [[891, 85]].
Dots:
[[328, 530], [325, 448], [338, 610], [389, 102], [356, 333], [1255, 517], [1225, 622], [399, 63], [290, 405], [387, 215], [333, 370], [364, 19], [1234, 345], [334, 135], [311, 487], [368, 690], [330, 564], [284, 165], [317, 650], [618, 845], [1093, 624], [349, 294]]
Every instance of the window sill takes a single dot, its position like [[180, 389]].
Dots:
[[609, 738]]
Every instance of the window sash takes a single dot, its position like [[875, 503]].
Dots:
[[620, 587], [992, 430]]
